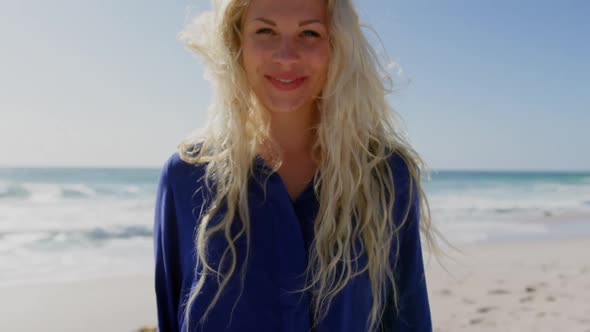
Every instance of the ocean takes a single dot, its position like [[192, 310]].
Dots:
[[62, 224]]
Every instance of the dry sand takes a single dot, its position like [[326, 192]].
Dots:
[[517, 286], [114, 304]]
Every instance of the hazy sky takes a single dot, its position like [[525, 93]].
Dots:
[[493, 84]]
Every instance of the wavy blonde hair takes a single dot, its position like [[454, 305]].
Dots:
[[355, 137]]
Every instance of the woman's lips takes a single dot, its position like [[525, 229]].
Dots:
[[295, 82]]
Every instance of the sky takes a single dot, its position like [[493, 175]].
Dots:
[[486, 85]]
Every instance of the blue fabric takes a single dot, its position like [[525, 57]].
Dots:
[[281, 233]]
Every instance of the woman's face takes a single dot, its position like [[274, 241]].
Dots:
[[286, 52]]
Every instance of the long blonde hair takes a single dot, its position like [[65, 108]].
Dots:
[[355, 136]]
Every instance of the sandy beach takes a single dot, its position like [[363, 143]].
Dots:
[[533, 285], [114, 304]]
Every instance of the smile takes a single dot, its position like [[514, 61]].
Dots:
[[286, 84]]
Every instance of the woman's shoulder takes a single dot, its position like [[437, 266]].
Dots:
[[403, 169], [179, 171], [405, 173]]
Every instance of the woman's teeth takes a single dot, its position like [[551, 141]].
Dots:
[[284, 81]]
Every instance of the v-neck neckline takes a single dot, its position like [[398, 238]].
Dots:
[[261, 165]]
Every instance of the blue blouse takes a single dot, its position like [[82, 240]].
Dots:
[[281, 232]]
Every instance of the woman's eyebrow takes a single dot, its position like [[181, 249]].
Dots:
[[302, 23]]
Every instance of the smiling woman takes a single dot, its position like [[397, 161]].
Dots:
[[291, 54], [286, 64], [300, 208]]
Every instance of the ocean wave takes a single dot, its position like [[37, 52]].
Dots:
[[38, 192], [537, 200], [66, 239], [125, 232], [77, 191], [123, 191], [13, 191], [43, 192]]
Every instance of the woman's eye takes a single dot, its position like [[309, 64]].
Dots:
[[264, 31], [311, 33]]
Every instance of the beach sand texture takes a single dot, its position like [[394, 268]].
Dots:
[[113, 304], [521, 286]]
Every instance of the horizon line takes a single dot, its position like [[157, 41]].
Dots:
[[431, 170]]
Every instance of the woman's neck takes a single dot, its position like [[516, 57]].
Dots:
[[293, 132]]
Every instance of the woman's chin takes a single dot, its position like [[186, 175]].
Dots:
[[286, 108]]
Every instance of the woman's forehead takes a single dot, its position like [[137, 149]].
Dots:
[[300, 10]]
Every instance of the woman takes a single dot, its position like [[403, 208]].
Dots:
[[300, 207]]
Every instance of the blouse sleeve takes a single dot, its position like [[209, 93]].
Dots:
[[166, 252], [413, 304]]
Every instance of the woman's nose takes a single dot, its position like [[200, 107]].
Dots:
[[286, 53]]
